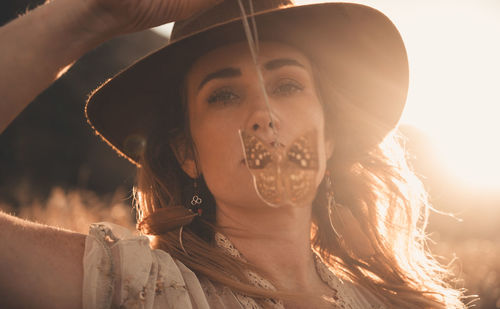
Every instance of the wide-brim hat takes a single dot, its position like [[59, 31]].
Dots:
[[358, 50]]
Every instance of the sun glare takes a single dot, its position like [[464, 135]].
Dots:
[[455, 64]]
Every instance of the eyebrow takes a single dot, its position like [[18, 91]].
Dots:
[[234, 72], [224, 73], [281, 62]]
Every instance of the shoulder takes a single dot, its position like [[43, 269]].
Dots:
[[121, 269]]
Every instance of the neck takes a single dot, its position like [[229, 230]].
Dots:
[[276, 240]]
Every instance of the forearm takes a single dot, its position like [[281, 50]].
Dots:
[[37, 48], [40, 266]]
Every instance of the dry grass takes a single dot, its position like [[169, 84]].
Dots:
[[477, 264], [76, 209]]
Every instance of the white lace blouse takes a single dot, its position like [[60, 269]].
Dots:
[[122, 271]]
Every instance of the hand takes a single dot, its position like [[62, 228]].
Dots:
[[124, 16]]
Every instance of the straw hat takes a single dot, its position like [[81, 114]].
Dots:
[[359, 51]]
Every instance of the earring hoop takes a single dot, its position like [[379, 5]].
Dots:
[[180, 239], [331, 204]]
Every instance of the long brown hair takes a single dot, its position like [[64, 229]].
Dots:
[[375, 183]]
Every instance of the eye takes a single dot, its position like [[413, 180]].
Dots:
[[224, 95], [287, 87]]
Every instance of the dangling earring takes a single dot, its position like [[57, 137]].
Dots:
[[196, 199], [180, 239], [345, 226], [330, 199]]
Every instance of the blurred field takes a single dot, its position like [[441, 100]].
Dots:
[[472, 247], [76, 209], [475, 259]]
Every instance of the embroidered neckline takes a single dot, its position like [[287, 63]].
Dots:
[[341, 298]]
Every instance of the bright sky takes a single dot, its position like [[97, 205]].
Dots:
[[454, 53]]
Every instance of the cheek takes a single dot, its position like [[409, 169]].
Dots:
[[213, 144], [220, 157], [322, 155], [218, 147], [302, 115]]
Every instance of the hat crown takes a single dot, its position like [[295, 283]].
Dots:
[[223, 12]]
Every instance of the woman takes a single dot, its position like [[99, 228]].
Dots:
[[317, 209]]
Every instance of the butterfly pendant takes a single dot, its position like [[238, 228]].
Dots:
[[283, 175]]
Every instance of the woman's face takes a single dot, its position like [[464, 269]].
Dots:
[[224, 96]]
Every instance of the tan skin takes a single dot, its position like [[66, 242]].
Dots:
[[277, 240], [41, 266]]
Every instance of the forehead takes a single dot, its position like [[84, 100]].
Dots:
[[238, 55]]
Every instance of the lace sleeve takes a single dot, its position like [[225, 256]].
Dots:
[[120, 270], [98, 278]]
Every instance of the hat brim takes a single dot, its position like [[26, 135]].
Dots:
[[357, 47]]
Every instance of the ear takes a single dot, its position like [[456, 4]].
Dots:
[[329, 147], [184, 154]]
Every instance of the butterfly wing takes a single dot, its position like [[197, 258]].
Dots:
[[300, 168], [262, 161]]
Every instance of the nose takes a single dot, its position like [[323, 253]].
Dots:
[[258, 125], [263, 123]]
